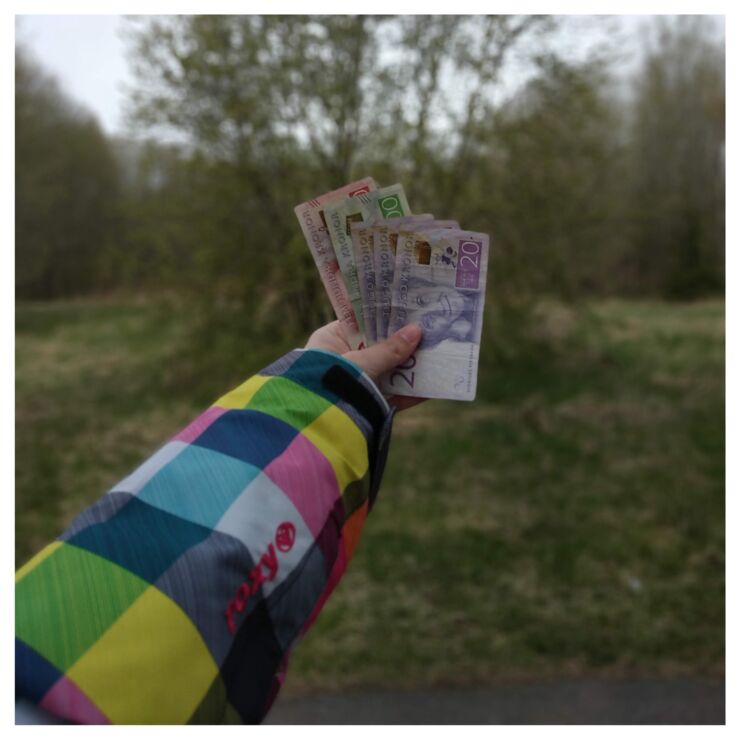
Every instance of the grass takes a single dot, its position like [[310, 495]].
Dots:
[[569, 522]]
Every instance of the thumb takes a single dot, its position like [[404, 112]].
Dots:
[[386, 355]]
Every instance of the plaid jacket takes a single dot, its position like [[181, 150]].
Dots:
[[177, 596]]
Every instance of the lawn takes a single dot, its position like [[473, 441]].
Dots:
[[568, 522]]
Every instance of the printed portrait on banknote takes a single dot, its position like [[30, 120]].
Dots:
[[444, 312]]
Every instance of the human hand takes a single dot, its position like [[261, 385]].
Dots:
[[375, 360]]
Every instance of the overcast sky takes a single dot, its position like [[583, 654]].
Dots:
[[87, 54]]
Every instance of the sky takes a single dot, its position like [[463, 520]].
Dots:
[[88, 54]]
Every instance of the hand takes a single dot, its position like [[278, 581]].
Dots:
[[375, 360]]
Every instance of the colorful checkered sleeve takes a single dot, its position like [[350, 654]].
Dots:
[[177, 597]]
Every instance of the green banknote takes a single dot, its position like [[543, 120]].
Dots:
[[388, 202]]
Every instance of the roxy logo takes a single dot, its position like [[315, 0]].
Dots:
[[265, 570], [285, 536]]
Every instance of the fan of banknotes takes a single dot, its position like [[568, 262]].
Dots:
[[384, 267]]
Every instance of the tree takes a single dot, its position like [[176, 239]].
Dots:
[[246, 93], [555, 183], [66, 183], [284, 107], [678, 162]]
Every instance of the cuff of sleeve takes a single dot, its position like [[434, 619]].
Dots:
[[359, 374], [355, 388]]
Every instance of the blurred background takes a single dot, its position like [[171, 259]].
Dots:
[[564, 532]]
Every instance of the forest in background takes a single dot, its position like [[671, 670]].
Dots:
[[590, 182]]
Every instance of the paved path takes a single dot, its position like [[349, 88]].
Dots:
[[567, 702]]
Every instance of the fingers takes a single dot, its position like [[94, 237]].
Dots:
[[386, 355], [329, 337], [332, 328]]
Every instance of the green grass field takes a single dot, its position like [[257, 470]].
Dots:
[[569, 522]]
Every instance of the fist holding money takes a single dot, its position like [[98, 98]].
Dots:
[[377, 360], [384, 268]]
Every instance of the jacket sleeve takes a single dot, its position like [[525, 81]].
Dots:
[[177, 597]]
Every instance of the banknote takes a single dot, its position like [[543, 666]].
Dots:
[[312, 218], [342, 213], [440, 284], [362, 243], [385, 237]]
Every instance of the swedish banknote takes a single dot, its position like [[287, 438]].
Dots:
[[439, 283], [312, 218], [385, 237], [341, 214], [362, 242]]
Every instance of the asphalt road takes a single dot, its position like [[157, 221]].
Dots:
[[684, 701]]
